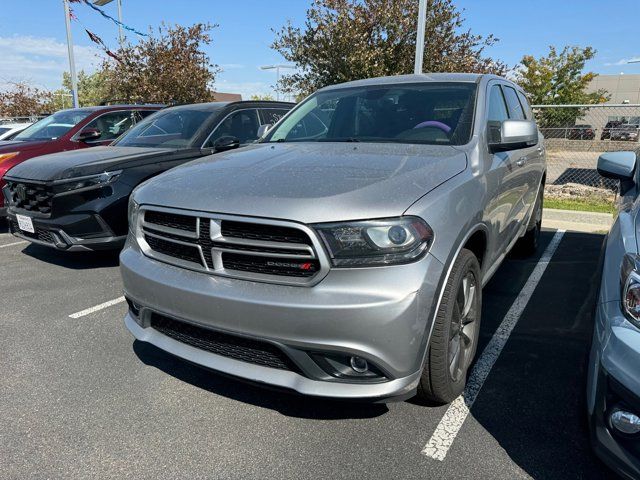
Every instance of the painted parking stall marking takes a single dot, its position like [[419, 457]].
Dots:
[[102, 306], [13, 244], [440, 442]]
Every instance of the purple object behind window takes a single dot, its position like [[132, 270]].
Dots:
[[434, 123]]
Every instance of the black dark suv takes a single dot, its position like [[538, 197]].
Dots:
[[78, 200]]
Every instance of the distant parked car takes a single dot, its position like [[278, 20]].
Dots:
[[78, 200], [613, 392], [10, 130], [610, 127], [69, 130], [581, 132], [625, 133]]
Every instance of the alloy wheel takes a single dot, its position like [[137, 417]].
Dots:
[[463, 327]]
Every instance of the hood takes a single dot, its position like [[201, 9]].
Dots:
[[7, 146], [307, 182], [88, 161]]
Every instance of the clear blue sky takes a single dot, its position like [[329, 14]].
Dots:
[[32, 33]]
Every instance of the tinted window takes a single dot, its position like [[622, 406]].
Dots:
[[513, 104], [525, 104], [112, 125], [497, 107], [4, 130], [430, 113], [242, 124], [171, 128], [271, 116], [53, 126]]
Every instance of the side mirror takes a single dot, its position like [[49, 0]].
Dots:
[[225, 143], [617, 165], [512, 135], [263, 129], [89, 134]]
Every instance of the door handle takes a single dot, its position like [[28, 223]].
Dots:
[[521, 161]]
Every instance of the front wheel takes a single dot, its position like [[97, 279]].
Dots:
[[455, 333]]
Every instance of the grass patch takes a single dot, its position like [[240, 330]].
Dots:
[[580, 204]]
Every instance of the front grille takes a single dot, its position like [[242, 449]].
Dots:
[[266, 233], [232, 247], [177, 250], [30, 196], [224, 344], [171, 220], [41, 234]]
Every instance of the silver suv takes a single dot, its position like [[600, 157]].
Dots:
[[344, 254]]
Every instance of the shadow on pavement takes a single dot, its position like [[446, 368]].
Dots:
[[73, 260], [534, 401], [284, 401]]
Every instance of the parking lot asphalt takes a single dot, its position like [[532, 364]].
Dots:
[[81, 399]]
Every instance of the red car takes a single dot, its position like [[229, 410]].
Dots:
[[69, 130]]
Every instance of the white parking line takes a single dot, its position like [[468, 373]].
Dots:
[[454, 417], [102, 306], [13, 244]]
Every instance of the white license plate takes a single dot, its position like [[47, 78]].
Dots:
[[25, 224]]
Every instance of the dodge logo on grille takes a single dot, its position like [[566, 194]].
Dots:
[[21, 192], [300, 266]]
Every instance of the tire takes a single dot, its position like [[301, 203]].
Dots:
[[444, 375], [528, 244]]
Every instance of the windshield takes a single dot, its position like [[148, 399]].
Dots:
[[173, 128], [426, 113], [53, 126]]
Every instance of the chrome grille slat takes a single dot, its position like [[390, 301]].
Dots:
[[273, 251]]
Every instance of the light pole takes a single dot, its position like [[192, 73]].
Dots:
[[72, 62], [277, 69], [422, 21], [102, 3]]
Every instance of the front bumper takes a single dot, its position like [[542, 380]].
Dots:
[[383, 315], [613, 381], [54, 232]]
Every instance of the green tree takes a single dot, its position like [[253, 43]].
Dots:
[[262, 97], [559, 79], [169, 65], [346, 40], [92, 89]]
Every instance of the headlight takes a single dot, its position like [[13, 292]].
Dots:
[[132, 214], [85, 183], [376, 242], [7, 156], [630, 286]]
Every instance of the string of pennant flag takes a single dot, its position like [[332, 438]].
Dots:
[[95, 38]]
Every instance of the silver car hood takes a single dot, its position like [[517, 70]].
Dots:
[[307, 182]]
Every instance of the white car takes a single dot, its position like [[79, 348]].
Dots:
[[10, 130]]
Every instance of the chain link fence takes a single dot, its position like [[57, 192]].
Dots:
[[575, 135]]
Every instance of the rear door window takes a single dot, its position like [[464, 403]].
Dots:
[[513, 104], [525, 105]]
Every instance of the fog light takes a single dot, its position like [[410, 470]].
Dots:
[[625, 422], [359, 364]]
